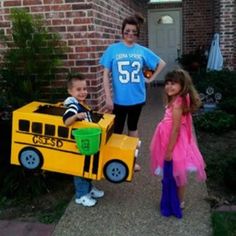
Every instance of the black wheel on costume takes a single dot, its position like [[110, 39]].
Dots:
[[116, 171], [30, 158]]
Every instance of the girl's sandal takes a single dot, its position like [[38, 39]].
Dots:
[[182, 205], [137, 167]]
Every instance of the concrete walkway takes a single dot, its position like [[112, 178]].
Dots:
[[19, 228], [132, 209]]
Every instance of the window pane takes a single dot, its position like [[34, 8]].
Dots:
[[158, 1], [49, 130], [37, 127], [24, 125], [165, 20], [63, 132]]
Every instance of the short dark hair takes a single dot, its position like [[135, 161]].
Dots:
[[137, 20], [72, 77]]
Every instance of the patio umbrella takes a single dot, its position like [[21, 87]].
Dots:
[[215, 59], [170, 204]]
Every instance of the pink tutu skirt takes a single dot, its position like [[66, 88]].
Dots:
[[186, 155]]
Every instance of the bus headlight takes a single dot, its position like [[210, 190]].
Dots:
[[136, 153], [139, 144]]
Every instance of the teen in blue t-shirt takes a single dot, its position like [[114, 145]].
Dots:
[[125, 61]]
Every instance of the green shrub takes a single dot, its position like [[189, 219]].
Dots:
[[21, 184], [228, 105], [221, 169], [223, 82], [194, 61], [215, 122], [30, 59], [230, 173], [224, 223]]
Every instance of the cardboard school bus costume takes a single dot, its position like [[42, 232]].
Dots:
[[40, 140]]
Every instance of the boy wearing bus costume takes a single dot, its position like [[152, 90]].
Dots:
[[85, 192]]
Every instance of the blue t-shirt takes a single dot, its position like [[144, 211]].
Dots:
[[126, 65]]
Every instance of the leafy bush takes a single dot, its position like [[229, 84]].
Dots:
[[194, 60], [224, 223], [21, 184], [223, 82], [221, 169], [228, 105], [31, 57], [230, 172], [29, 62], [215, 122]]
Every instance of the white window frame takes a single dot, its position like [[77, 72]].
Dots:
[[163, 1]]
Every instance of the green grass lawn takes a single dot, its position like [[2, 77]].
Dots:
[[224, 223]]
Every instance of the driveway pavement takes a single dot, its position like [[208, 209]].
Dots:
[[132, 209]]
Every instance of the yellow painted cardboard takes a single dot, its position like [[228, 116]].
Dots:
[[40, 140]]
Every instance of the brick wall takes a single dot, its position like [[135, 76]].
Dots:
[[198, 24], [201, 19], [86, 28], [227, 28]]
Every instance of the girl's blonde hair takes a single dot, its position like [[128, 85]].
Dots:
[[184, 79]]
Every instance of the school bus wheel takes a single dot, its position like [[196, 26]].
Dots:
[[115, 171], [30, 158]]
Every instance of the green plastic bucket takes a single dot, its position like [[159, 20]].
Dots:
[[87, 140]]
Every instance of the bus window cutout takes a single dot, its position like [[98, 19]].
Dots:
[[41, 141]]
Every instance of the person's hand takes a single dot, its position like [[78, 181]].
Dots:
[[109, 106], [168, 157], [81, 115], [149, 80]]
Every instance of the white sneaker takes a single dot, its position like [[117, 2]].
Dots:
[[96, 193], [182, 205], [86, 200]]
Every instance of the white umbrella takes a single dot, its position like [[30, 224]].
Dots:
[[215, 59]]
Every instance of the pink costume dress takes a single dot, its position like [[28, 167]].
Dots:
[[186, 155]]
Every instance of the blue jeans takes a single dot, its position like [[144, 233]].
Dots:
[[82, 186]]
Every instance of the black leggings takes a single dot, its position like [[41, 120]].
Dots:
[[121, 112]]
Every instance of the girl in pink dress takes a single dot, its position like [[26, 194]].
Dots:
[[173, 138]]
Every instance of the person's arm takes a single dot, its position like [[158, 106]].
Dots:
[[106, 84], [177, 114], [79, 116], [158, 69]]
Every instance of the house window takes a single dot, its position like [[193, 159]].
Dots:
[[164, 1], [165, 20]]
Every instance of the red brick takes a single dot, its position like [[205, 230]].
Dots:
[[69, 63], [78, 42], [40, 8], [75, 21], [4, 24], [55, 15], [76, 14], [61, 22], [77, 28], [82, 70], [32, 2], [14, 3], [82, 21], [60, 7], [57, 29], [53, 2], [81, 6], [74, 1]]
